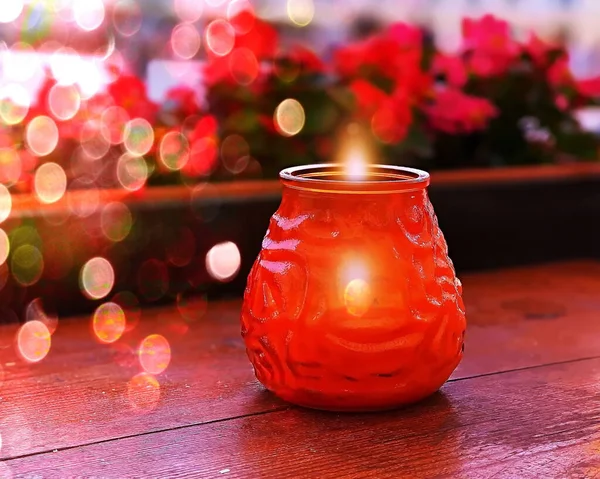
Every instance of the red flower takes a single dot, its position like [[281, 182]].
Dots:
[[368, 97], [392, 119], [407, 36], [262, 39], [308, 61], [204, 150], [489, 44], [394, 55], [455, 112], [129, 92], [184, 99], [538, 50], [452, 68]]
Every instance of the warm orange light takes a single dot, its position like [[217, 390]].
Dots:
[[358, 297], [356, 165], [154, 354], [143, 392], [33, 341], [109, 322]]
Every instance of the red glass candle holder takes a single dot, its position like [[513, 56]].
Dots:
[[353, 303]]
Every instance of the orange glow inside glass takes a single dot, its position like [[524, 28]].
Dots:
[[353, 302]]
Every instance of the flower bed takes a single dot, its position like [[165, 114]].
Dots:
[[496, 101]]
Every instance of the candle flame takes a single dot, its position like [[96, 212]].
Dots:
[[356, 166]]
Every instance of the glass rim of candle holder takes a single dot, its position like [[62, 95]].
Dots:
[[334, 178]]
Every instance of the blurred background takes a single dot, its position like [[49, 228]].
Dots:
[[140, 141]]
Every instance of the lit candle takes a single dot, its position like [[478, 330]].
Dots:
[[356, 165], [353, 303]]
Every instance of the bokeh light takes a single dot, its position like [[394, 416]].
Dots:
[[174, 151], [27, 264], [108, 322], [185, 41], [153, 279], [241, 16], [93, 142], [65, 65], [97, 278], [138, 137], [132, 172], [143, 392], [203, 158], [113, 125], [289, 117], [4, 275], [181, 251], [20, 64], [223, 261], [205, 202], [116, 221], [220, 37], [4, 246], [35, 312], [235, 153], [33, 341], [191, 307], [64, 101], [41, 135], [154, 354], [83, 203], [88, 14], [14, 103], [358, 297], [89, 80], [5, 203], [50, 182], [243, 66], [130, 306], [188, 10], [300, 12], [10, 166], [10, 10], [127, 17]]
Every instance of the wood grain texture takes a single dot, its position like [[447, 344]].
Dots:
[[79, 392], [541, 422], [78, 395]]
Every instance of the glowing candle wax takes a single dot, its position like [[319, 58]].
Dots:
[[353, 303]]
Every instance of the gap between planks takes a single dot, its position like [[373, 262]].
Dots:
[[274, 410]]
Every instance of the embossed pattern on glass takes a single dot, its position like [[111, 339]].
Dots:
[[353, 302]]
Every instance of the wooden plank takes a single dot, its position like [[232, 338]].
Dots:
[[79, 393], [83, 390], [540, 422]]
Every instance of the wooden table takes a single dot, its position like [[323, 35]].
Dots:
[[524, 403]]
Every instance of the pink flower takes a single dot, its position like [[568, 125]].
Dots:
[[407, 36], [455, 112], [452, 68], [489, 45]]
